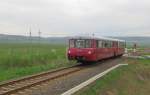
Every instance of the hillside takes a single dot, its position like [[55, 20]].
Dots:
[[25, 39], [63, 40]]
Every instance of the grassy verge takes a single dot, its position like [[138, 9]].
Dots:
[[18, 60], [128, 80]]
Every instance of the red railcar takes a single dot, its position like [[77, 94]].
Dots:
[[87, 49]]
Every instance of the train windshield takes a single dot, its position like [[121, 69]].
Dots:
[[80, 43]]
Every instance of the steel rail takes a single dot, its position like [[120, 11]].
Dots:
[[34, 83]]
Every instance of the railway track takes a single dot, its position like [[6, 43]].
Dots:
[[15, 86]]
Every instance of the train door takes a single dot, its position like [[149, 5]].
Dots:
[[115, 48]]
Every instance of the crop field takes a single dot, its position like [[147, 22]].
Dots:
[[128, 80], [18, 60]]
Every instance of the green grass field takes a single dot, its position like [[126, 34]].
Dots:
[[18, 60], [133, 79]]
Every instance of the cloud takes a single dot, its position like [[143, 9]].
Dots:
[[74, 17]]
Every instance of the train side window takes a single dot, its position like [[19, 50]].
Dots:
[[105, 44], [80, 43], [108, 44], [88, 43], [100, 45], [111, 44], [71, 43]]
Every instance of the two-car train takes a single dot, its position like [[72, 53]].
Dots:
[[89, 49]]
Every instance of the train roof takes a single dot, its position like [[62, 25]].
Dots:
[[99, 38]]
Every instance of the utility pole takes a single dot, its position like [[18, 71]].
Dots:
[[93, 35], [30, 35], [30, 43], [39, 36]]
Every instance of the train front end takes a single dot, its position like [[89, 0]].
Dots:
[[81, 50]]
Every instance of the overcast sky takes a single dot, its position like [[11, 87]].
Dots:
[[77, 17]]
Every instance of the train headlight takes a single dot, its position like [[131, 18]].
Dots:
[[69, 51], [89, 52]]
